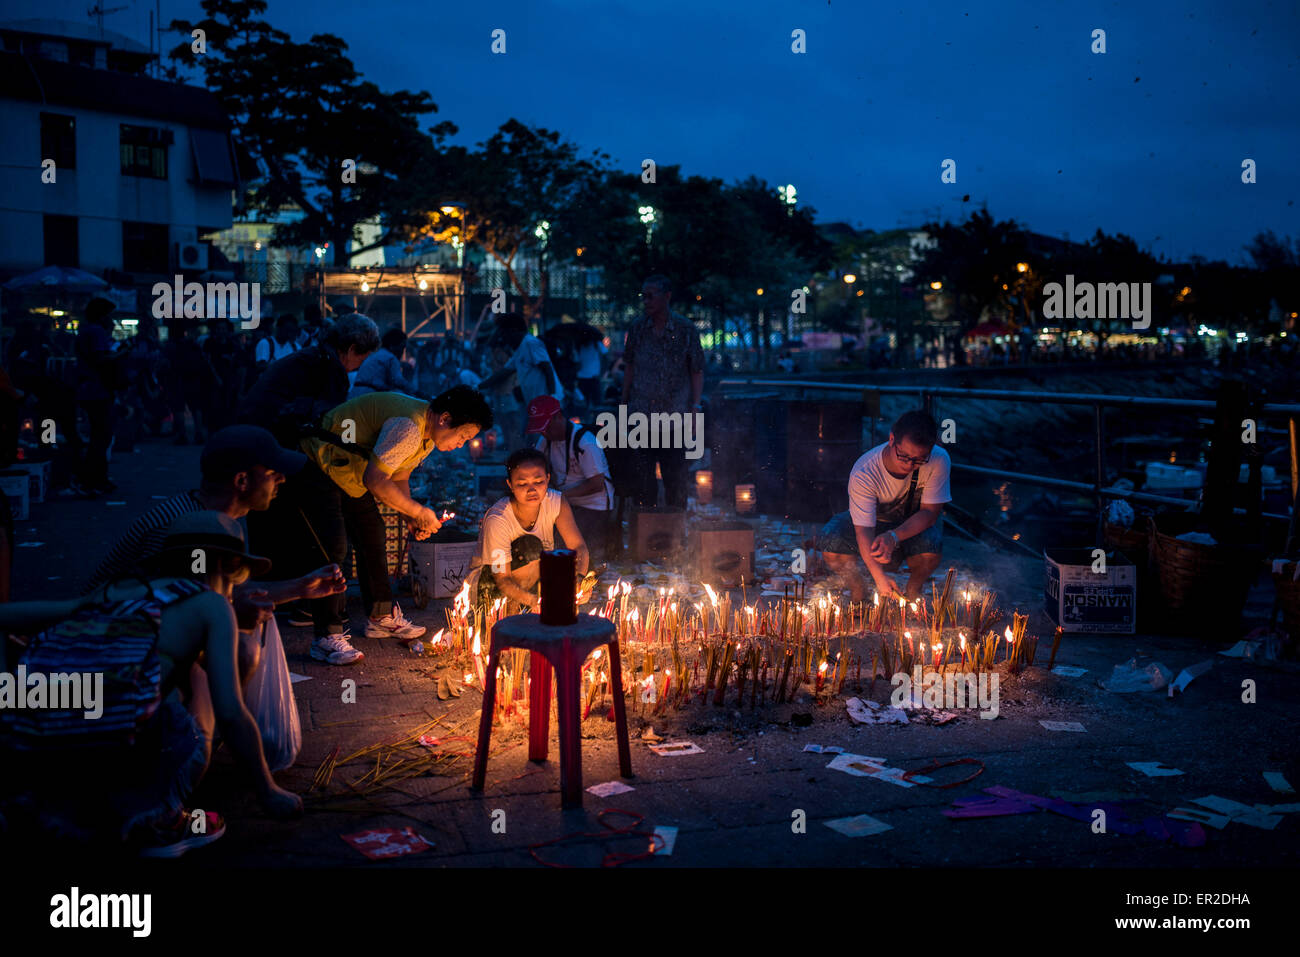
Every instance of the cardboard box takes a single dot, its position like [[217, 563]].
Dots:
[[490, 479], [657, 534], [723, 552], [1081, 600], [17, 485], [40, 477], [442, 562]]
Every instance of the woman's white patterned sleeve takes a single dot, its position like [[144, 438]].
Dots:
[[399, 439]]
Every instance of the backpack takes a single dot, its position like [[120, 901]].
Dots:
[[118, 640]]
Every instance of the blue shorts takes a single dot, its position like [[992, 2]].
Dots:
[[838, 537]]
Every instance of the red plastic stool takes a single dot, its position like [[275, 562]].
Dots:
[[564, 648]]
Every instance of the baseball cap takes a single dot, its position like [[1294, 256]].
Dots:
[[540, 412], [237, 448]]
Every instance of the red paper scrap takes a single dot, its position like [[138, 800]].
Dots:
[[385, 842]]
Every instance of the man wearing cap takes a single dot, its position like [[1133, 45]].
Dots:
[[363, 451], [579, 470], [243, 468]]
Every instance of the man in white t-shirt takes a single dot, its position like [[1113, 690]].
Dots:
[[529, 361], [896, 496], [579, 470]]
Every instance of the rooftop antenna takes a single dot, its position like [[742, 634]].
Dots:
[[98, 11]]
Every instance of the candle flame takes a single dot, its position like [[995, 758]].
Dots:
[[913, 607], [632, 615], [627, 587], [907, 635], [1008, 634], [478, 644], [901, 601], [823, 667], [595, 655], [436, 639], [713, 598], [447, 516], [469, 678], [962, 636], [876, 599], [610, 594]]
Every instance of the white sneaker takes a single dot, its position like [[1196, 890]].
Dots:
[[394, 625], [336, 649]]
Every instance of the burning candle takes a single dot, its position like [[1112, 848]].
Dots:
[[475, 449], [704, 487], [447, 516], [1010, 644], [821, 674], [469, 678], [478, 659], [744, 499], [961, 636]]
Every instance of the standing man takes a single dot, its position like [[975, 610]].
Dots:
[[579, 471], [529, 361], [896, 496], [664, 373], [283, 343]]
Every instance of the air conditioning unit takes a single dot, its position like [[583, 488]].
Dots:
[[191, 256]]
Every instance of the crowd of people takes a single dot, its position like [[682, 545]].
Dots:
[[323, 423]]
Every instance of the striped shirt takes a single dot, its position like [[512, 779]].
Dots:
[[143, 539]]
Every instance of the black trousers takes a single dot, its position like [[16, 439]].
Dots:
[[672, 463], [308, 525], [94, 466]]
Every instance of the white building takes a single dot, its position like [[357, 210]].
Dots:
[[142, 168]]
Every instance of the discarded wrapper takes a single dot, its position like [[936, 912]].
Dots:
[[608, 788], [863, 825], [1153, 769], [1062, 726], [675, 748], [1187, 674]]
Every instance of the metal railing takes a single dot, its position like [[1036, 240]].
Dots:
[[1098, 488]]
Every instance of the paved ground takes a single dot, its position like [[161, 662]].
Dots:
[[735, 803]]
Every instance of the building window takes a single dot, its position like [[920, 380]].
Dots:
[[61, 241], [59, 140], [145, 247], [144, 151]]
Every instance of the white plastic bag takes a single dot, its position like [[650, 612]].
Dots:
[[269, 696]]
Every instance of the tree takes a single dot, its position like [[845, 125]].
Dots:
[[516, 181], [323, 139], [973, 261]]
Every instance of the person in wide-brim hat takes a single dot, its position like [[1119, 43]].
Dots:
[[208, 535]]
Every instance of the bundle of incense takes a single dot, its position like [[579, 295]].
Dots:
[[1056, 646], [711, 669], [742, 669], [1019, 625], [727, 651], [785, 675], [755, 659]]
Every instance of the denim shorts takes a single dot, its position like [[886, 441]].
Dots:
[[838, 537]]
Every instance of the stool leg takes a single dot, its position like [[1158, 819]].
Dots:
[[567, 680], [485, 723], [539, 707], [620, 710]]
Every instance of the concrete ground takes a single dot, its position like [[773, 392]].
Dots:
[[735, 803]]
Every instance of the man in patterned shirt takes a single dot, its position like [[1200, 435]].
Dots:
[[664, 373]]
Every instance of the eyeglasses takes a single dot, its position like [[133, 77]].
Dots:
[[907, 459]]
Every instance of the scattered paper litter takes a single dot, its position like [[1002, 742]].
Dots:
[[1200, 816], [1153, 769], [382, 843], [115, 503], [1278, 808], [668, 835], [1239, 813], [863, 766], [871, 712], [674, 748], [863, 825], [294, 679], [1278, 782], [1187, 674], [428, 741], [1242, 649], [1062, 726], [1069, 671], [649, 736], [828, 749], [608, 788], [31, 544]]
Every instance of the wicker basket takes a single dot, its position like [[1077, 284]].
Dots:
[[1134, 542], [1203, 587], [1288, 596]]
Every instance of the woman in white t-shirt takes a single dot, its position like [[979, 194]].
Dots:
[[517, 529]]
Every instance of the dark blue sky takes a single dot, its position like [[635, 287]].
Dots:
[[1048, 133]]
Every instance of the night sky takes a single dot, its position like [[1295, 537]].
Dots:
[[1146, 139]]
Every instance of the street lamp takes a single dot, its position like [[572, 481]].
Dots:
[[648, 216], [787, 194]]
